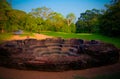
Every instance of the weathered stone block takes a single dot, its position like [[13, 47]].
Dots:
[[57, 54]]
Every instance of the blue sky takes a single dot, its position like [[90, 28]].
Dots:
[[61, 6]]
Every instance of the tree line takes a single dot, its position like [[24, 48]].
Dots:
[[106, 22], [39, 19]]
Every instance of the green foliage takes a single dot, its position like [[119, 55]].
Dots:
[[48, 20], [42, 12], [88, 22], [44, 19], [4, 7], [72, 28], [110, 20], [39, 19], [10, 19], [106, 21], [15, 20], [70, 18]]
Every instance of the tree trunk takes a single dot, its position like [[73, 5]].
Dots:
[[68, 22]]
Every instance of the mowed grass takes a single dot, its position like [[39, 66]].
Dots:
[[4, 36], [86, 36]]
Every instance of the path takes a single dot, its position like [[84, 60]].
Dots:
[[24, 74]]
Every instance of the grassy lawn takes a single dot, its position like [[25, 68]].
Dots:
[[4, 36], [85, 36]]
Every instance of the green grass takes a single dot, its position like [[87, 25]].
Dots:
[[86, 36], [4, 36]]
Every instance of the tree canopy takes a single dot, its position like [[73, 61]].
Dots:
[[110, 20], [88, 21], [70, 18], [105, 22], [39, 19]]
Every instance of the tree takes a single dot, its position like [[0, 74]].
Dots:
[[16, 20], [4, 7], [42, 12], [70, 18], [88, 21], [48, 20], [42, 17], [110, 20], [57, 21]]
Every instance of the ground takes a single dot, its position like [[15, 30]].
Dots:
[[29, 74], [35, 36], [25, 74]]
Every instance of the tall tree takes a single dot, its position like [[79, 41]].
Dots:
[[16, 20], [42, 12], [70, 18], [4, 7], [88, 21], [57, 20], [110, 21]]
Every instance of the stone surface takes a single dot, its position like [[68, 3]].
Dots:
[[56, 54]]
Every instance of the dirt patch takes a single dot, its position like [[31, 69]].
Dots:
[[24, 74], [35, 36]]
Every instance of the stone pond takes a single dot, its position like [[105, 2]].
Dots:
[[56, 54]]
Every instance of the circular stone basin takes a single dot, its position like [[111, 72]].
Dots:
[[56, 54]]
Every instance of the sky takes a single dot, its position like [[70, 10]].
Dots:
[[61, 6]]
